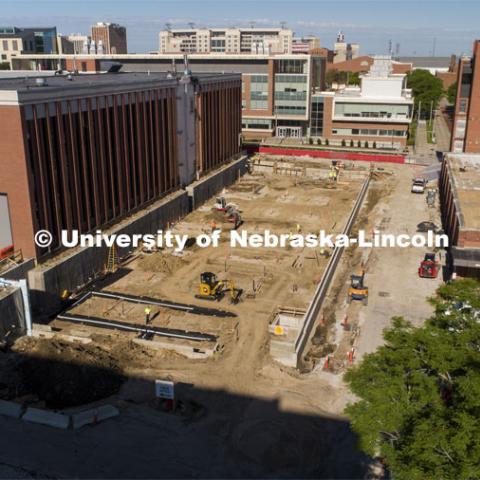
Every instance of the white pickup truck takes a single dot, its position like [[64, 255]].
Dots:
[[418, 185]]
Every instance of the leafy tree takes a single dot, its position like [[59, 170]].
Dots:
[[359, 144], [344, 143], [374, 144], [327, 142], [4, 66], [419, 395], [354, 78], [351, 143], [342, 78], [319, 141], [452, 92], [426, 88]]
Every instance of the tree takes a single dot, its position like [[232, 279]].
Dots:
[[4, 66], [374, 144], [344, 143], [351, 143], [452, 92], [354, 78], [419, 394], [319, 141], [426, 88], [359, 144]]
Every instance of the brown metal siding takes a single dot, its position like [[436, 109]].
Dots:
[[96, 160], [218, 124]]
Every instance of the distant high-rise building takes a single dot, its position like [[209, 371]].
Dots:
[[305, 44], [343, 50], [260, 41], [111, 36], [15, 41], [74, 44]]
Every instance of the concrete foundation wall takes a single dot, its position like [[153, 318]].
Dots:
[[205, 188], [19, 272], [12, 318], [48, 281]]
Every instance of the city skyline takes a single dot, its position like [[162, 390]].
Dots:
[[430, 31]]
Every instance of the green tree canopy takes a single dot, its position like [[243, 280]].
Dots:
[[452, 92], [419, 395], [426, 88], [342, 78]]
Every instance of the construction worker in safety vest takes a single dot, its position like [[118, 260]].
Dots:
[[147, 315]]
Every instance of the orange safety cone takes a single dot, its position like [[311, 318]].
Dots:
[[351, 354], [327, 363]]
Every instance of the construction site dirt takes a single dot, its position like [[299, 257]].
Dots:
[[247, 416]]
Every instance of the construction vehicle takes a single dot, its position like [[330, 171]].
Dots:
[[357, 289], [429, 266], [233, 216], [220, 204], [211, 288]]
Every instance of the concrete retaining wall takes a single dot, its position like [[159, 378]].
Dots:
[[47, 282], [205, 188], [12, 317], [19, 272]]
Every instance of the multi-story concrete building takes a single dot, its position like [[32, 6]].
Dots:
[[74, 44], [16, 41], [276, 89], [305, 44], [345, 51], [378, 113], [226, 40], [84, 151], [108, 38], [460, 203], [466, 122]]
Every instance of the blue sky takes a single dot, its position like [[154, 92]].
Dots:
[[413, 24]]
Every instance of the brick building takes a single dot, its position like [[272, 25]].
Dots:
[[84, 151], [466, 121], [460, 206], [109, 38]]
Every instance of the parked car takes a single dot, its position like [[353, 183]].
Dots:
[[418, 185]]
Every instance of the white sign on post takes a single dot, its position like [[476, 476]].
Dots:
[[164, 389]]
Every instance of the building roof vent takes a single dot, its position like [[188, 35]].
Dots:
[[41, 82]]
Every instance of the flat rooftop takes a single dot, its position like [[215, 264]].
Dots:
[[26, 83], [465, 176]]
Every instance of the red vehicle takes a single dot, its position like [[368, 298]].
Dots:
[[429, 267]]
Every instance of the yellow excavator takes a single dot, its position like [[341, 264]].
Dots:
[[211, 288], [357, 289]]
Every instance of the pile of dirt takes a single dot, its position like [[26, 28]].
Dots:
[[64, 374], [159, 263]]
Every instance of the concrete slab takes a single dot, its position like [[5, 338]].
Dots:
[[94, 416], [44, 417], [10, 409]]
